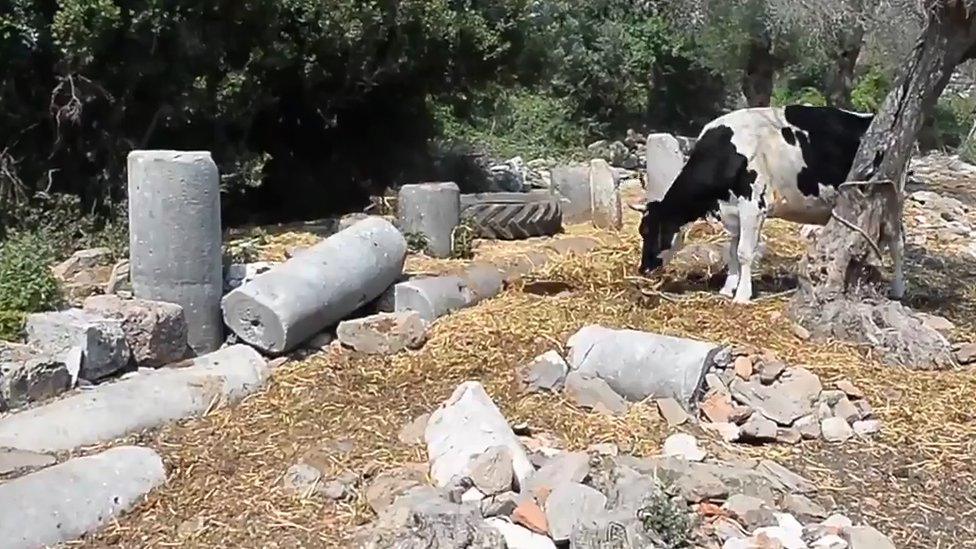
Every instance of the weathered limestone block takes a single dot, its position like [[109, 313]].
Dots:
[[155, 332], [104, 350], [432, 210]]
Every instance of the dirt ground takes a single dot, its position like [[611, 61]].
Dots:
[[915, 482]]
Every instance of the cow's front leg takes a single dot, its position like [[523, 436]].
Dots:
[[731, 222], [751, 218]]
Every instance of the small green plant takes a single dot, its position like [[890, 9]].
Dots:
[[870, 90], [26, 281], [11, 325], [246, 250], [417, 242], [462, 240], [666, 519], [803, 96]]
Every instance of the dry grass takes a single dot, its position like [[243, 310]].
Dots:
[[225, 487]]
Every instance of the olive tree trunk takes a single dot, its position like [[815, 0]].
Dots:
[[841, 80], [839, 295], [760, 71]]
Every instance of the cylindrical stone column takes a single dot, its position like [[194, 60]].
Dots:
[[175, 238], [317, 288], [432, 210]]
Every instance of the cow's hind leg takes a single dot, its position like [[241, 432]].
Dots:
[[730, 219], [751, 219]]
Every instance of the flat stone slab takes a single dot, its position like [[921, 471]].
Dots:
[[383, 334], [144, 401], [64, 502]]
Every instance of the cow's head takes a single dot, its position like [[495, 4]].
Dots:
[[660, 235]]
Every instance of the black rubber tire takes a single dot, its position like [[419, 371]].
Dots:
[[512, 216]]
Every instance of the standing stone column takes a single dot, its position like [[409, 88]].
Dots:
[[605, 195], [664, 163], [573, 184], [432, 210], [175, 238]]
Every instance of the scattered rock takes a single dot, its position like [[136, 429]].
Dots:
[[759, 429], [621, 526], [788, 480], [499, 505], [801, 332], [563, 468], [341, 488], [684, 446], [966, 354], [517, 537], [803, 507], [809, 427], [595, 394], [28, 375], [937, 323], [700, 485], [718, 407], [102, 341], [302, 479], [672, 412], [743, 367], [491, 472], [546, 373], [771, 370], [850, 389], [837, 522], [568, 505], [16, 461], [866, 537], [788, 436], [730, 432], [751, 512], [119, 282], [829, 542], [867, 427], [846, 410], [836, 429], [155, 332], [81, 260], [864, 409], [451, 441], [413, 432], [384, 333], [388, 485], [604, 449], [531, 516], [785, 402]]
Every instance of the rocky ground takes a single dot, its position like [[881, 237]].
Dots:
[[336, 418]]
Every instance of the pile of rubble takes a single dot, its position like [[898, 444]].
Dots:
[[490, 487]]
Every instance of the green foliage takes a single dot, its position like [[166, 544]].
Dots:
[[666, 519], [416, 242], [60, 218], [462, 240], [26, 281], [952, 121], [870, 90], [12, 325], [806, 95]]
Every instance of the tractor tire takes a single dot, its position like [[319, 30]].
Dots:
[[512, 216]]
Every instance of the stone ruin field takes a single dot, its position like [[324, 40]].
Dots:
[[364, 438]]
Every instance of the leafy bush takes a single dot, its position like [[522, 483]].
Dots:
[[11, 325], [870, 90], [805, 95], [666, 519], [26, 281]]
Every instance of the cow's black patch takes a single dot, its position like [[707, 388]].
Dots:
[[788, 136], [829, 141], [715, 171]]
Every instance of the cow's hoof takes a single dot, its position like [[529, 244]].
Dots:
[[742, 301], [727, 292]]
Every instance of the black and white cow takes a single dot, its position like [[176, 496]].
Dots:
[[754, 164]]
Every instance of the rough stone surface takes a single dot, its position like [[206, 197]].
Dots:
[[155, 332], [80, 261], [568, 506], [175, 238], [15, 461], [531, 516], [413, 432], [434, 297], [383, 334], [518, 537], [594, 394], [451, 441], [867, 427], [638, 365], [700, 485], [143, 401], [606, 206], [104, 350], [836, 429], [302, 479], [622, 527], [432, 210], [866, 537], [664, 163], [285, 306], [28, 375], [491, 472], [809, 427], [684, 446], [784, 402], [545, 373], [788, 480], [500, 505], [566, 467], [572, 183], [759, 429], [966, 354], [672, 412], [847, 410], [64, 502], [383, 490], [803, 507], [750, 511]]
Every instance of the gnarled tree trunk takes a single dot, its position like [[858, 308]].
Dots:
[[841, 81], [761, 67], [839, 295]]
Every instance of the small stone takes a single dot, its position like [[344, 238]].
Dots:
[[837, 522], [499, 505], [302, 479], [771, 370], [786, 478], [15, 461], [803, 507], [836, 429], [82, 260], [847, 410], [788, 436], [743, 367], [937, 323], [28, 375], [517, 537], [966, 354], [850, 389], [809, 427], [337, 490], [864, 409], [102, 340], [684, 446], [699, 485], [413, 433], [759, 429], [545, 373], [595, 394], [604, 449], [866, 537], [531, 516], [718, 407], [385, 488], [832, 397], [730, 432], [384, 333], [801, 333], [829, 542], [867, 427], [188, 528], [472, 495], [570, 504], [560, 469], [672, 412], [751, 512], [740, 414], [492, 472], [824, 411], [715, 383]]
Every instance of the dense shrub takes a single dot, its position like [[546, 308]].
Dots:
[[27, 284], [870, 90], [65, 226], [11, 325]]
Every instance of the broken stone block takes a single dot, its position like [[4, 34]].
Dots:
[[664, 162], [568, 505], [803, 507], [836, 429], [155, 332], [743, 367], [809, 427], [384, 333], [789, 481], [750, 511], [672, 412], [451, 441], [622, 526], [771, 370], [788, 436], [413, 432], [491, 472], [104, 350], [788, 400], [683, 446], [28, 375], [432, 211], [850, 389], [759, 429], [594, 394], [546, 373], [531, 516], [866, 537], [700, 485], [607, 210], [867, 427], [500, 505], [80, 261], [966, 354], [566, 467], [847, 410], [572, 183], [718, 407], [640, 365]]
